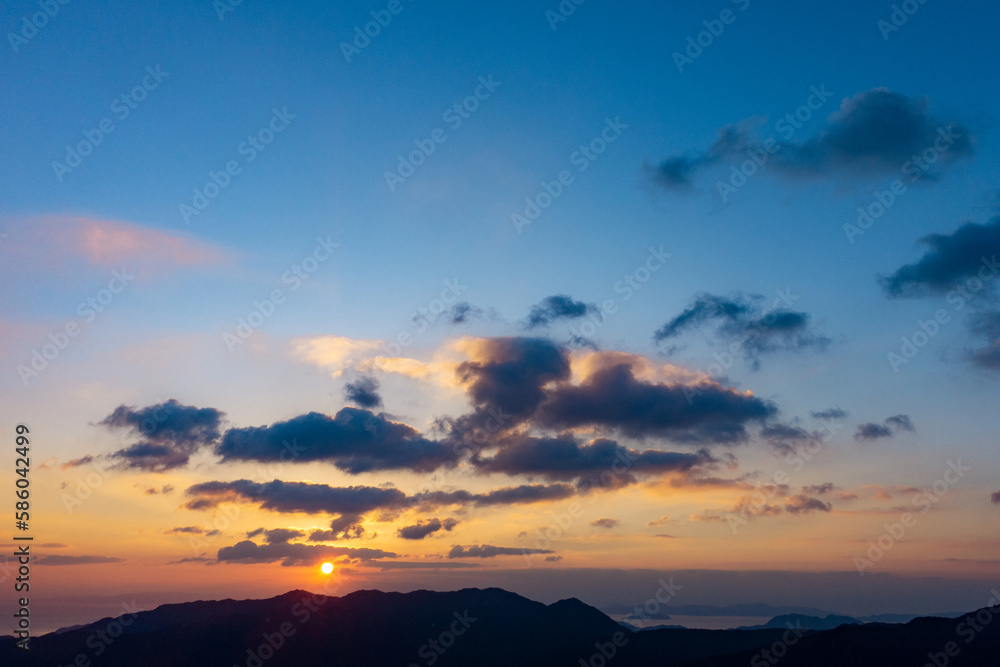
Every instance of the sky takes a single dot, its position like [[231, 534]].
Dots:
[[536, 295]]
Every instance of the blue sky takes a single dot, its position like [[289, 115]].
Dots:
[[346, 124]]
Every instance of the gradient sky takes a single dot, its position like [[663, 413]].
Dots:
[[773, 272]]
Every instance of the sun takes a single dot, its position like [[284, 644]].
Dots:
[[327, 568]]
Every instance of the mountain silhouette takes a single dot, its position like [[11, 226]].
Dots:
[[472, 628]]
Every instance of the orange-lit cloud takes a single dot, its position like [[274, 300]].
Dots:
[[51, 241]]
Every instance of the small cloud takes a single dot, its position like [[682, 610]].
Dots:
[[996, 498], [892, 426], [554, 308], [364, 392], [553, 559], [606, 523], [490, 551], [423, 529], [662, 521], [77, 560], [832, 413]]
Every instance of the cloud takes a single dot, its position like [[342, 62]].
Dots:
[[612, 397], [892, 426], [986, 325], [877, 131], [364, 392], [277, 535], [964, 259], [606, 523], [525, 494], [787, 439], [62, 242], [422, 529], [77, 560], [295, 497], [819, 489], [169, 433], [554, 308], [166, 490], [996, 498], [741, 319], [662, 521], [509, 374], [872, 432], [489, 551], [803, 504], [553, 559], [564, 459], [464, 312], [832, 413], [185, 530], [295, 554], [900, 423], [355, 441]]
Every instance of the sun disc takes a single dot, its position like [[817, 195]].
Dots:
[[327, 568]]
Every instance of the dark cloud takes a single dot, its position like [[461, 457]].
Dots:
[[877, 131], [554, 308], [510, 495], [965, 259], [677, 172], [872, 431], [295, 554], [803, 504], [564, 459], [463, 312], [168, 434], [355, 441], [189, 530], [553, 559], [900, 423], [422, 529], [819, 489], [77, 560], [512, 373], [892, 426], [363, 392], [292, 497], [986, 325], [489, 551], [832, 413], [612, 397], [277, 535], [786, 439], [606, 523], [167, 489], [996, 498], [741, 318]]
